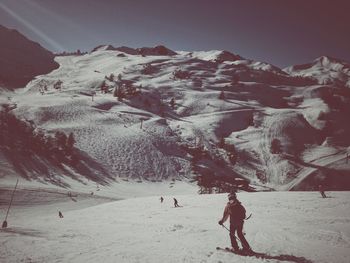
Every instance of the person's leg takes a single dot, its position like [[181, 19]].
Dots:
[[233, 237], [241, 237]]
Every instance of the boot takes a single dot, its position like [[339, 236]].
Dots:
[[235, 250]]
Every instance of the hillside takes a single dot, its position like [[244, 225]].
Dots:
[[161, 115], [21, 59]]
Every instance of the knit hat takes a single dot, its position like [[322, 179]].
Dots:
[[232, 196]]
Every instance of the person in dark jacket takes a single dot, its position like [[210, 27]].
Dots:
[[176, 203], [60, 214], [235, 210], [321, 189], [161, 199]]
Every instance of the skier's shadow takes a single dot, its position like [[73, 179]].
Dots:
[[282, 257]]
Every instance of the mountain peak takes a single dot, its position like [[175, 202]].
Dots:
[[158, 50], [325, 69], [326, 60], [22, 59], [225, 55], [103, 47]]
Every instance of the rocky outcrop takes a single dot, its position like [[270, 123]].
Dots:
[[22, 59]]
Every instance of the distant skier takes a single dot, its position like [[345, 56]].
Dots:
[[60, 214], [161, 199], [321, 189], [176, 203], [235, 210]]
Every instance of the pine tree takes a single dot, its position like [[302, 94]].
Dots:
[[115, 92], [130, 89], [119, 93], [222, 95], [147, 103], [58, 85], [111, 77], [104, 87], [221, 143], [275, 146], [234, 80], [172, 103], [70, 141], [61, 139]]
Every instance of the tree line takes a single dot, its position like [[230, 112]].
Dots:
[[24, 137]]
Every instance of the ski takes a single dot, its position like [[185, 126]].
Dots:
[[225, 249]]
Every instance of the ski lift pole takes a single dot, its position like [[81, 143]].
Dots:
[[4, 224]]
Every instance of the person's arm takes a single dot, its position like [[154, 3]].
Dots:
[[225, 215]]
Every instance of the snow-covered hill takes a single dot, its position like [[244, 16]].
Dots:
[[299, 227], [177, 108]]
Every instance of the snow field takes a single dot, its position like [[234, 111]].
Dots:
[[300, 225]]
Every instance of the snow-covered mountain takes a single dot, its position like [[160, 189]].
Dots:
[[153, 114], [21, 59], [325, 69], [101, 138]]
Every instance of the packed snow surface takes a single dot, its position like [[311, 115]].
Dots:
[[284, 227]]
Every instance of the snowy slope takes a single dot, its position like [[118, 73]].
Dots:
[[296, 227], [261, 103]]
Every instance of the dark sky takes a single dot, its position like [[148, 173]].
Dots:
[[280, 32]]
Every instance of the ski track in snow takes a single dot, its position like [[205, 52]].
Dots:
[[109, 130], [298, 226]]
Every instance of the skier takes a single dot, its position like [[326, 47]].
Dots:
[[321, 189], [235, 210], [60, 214], [161, 199], [176, 203]]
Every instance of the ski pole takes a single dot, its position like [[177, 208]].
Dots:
[[248, 217], [4, 224], [225, 227], [231, 233]]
